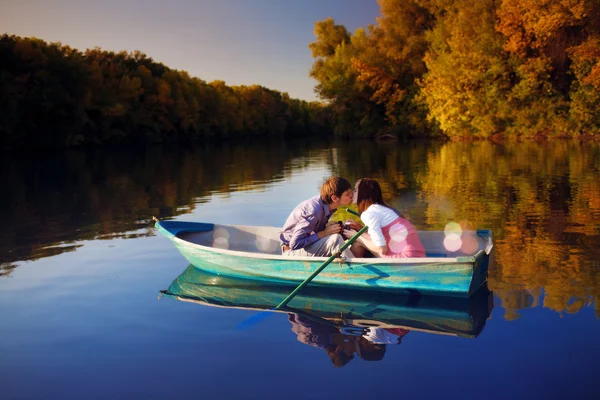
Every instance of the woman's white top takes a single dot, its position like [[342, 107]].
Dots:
[[376, 217], [381, 336]]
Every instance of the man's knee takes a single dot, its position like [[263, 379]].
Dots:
[[336, 240]]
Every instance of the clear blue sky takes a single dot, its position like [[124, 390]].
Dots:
[[242, 42]]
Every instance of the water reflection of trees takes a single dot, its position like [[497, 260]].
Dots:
[[393, 165], [541, 200], [57, 199]]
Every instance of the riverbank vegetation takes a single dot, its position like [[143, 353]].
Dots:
[[427, 68], [54, 96]]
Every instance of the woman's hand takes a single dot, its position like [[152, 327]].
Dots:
[[382, 250], [366, 241], [348, 233], [353, 224]]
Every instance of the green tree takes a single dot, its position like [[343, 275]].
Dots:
[[55, 96]]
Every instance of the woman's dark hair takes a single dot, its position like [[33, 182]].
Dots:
[[369, 192], [337, 355]]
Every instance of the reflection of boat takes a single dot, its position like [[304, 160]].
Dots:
[[346, 309], [252, 252]]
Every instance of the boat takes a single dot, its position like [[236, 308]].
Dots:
[[455, 264], [350, 311]]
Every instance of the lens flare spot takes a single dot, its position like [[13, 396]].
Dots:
[[398, 233], [265, 245], [397, 246], [469, 244], [452, 228], [452, 242], [221, 243], [221, 233]]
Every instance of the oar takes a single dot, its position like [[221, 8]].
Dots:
[[321, 268], [260, 316], [351, 211]]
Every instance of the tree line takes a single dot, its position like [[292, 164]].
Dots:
[[54, 96], [464, 69], [453, 68]]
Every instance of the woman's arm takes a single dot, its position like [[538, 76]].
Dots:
[[374, 241]]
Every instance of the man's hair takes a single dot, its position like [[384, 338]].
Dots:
[[336, 185]]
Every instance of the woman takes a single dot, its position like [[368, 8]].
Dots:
[[389, 234]]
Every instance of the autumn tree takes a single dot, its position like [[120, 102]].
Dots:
[[368, 77], [546, 37], [391, 61], [468, 74]]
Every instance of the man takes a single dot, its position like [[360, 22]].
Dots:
[[306, 231]]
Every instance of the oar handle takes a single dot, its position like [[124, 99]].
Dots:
[[326, 263], [351, 211]]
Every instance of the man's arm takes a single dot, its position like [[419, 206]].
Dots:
[[302, 235]]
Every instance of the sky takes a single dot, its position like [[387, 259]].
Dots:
[[242, 42]]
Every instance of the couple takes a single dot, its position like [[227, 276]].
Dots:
[[308, 232]]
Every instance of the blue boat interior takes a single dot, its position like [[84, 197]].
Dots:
[[265, 240]]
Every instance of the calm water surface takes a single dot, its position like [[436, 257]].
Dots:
[[81, 271]]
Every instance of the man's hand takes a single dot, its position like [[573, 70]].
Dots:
[[331, 229]]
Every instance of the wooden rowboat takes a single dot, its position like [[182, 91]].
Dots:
[[455, 265], [343, 308]]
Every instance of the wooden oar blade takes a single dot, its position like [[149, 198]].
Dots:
[[253, 320]]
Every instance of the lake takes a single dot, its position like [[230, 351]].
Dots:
[[82, 270]]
